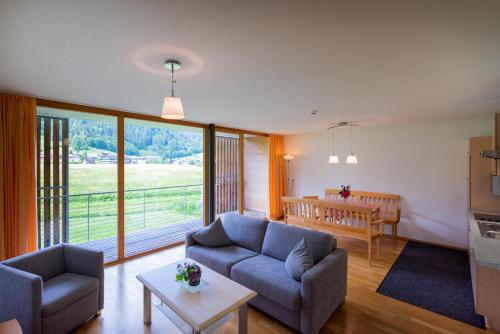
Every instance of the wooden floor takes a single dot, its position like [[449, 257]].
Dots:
[[364, 311]]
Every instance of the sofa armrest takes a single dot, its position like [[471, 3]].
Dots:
[[189, 238], [84, 261], [324, 288], [23, 293]]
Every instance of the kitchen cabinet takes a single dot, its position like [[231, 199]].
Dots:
[[484, 259]]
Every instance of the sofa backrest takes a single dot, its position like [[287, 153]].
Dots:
[[46, 263], [245, 231], [280, 239]]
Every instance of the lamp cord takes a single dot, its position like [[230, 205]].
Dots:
[[173, 81], [333, 149], [351, 139]]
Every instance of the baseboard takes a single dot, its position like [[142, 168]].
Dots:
[[429, 243]]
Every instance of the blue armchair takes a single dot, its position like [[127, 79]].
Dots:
[[53, 290]]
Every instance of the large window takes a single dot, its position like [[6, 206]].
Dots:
[[77, 180], [163, 184], [128, 184]]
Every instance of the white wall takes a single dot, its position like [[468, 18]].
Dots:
[[425, 162]]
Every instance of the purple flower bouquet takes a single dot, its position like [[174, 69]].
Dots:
[[188, 273]]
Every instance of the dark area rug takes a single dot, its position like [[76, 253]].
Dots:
[[434, 278]]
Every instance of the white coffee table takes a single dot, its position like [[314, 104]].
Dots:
[[218, 298]]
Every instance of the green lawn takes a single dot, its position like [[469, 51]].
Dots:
[[98, 178], [94, 216]]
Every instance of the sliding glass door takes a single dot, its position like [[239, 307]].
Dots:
[[163, 184], [90, 164], [77, 180]]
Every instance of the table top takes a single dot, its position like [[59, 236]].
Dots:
[[201, 309], [10, 327]]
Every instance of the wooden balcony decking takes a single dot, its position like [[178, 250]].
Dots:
[[145, 240]]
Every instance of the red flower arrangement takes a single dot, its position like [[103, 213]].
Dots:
[[345, 192]]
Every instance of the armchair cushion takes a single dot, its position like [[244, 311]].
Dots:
[[299, 260], [220, 259], [268, 277], [212, 235], [46, 263], [87, 262], [65, 289]]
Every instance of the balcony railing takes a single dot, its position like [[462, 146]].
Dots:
[[92, 218]]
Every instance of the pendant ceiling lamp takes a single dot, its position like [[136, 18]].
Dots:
[[334, 159], [172, 105], [351, 158]]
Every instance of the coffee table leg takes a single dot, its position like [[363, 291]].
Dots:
[[243, 319], [147, 306]]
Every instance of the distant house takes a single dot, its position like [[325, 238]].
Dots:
[[112, 159], [74, 158], [90, 160]]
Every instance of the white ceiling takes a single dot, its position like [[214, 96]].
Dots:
[[259, 65]]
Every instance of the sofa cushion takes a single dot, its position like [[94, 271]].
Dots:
[[212, 235], [220, 259], [46, 263], [267, 276], [299, 260], [63, 290], [245, 231], [280, 239]]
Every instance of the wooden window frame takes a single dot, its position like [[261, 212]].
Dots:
[[120, 122]]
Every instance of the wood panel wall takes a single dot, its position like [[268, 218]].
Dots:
[[227, 178]]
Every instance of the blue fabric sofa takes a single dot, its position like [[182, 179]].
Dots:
[[52, 290], [256, 260]]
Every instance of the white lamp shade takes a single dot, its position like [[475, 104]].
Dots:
[[288, 157], [333, 159], [172, 108], [351, 159]]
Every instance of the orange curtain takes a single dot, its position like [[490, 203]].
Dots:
[[276, 176], [18, 232]]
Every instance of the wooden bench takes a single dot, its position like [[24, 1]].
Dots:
[[357, 222], [311, 197], [388, 203]]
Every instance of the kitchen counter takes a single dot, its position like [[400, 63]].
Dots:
[[487, 250]]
